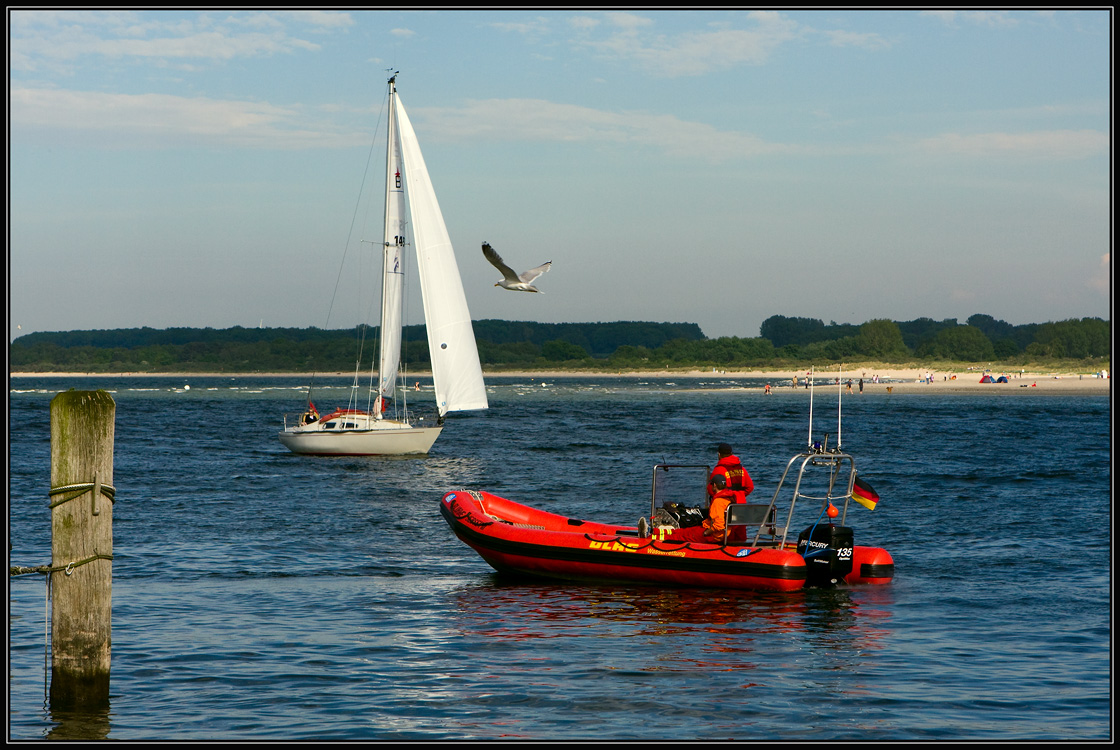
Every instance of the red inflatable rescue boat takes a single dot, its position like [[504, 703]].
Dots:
[[519, 539]]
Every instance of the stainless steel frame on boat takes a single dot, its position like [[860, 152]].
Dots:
[[762, 516], [834, 462]]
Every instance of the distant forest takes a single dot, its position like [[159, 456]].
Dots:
[[783, 341]]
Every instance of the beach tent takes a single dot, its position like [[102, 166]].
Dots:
[[1001, 379], [986, 379]]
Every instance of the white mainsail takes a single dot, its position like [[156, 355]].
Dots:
[[455, 367], [392, 278]]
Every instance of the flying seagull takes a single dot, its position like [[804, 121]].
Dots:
[[511, 281]]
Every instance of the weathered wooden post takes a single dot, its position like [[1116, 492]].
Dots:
[[82, 433]]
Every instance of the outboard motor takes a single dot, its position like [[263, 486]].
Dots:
[[827, 550]]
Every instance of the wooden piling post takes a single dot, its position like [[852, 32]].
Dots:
[[82, 434]]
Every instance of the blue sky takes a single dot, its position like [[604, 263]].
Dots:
[[202, 168]]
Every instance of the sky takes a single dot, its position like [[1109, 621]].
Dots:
[[203, 168]]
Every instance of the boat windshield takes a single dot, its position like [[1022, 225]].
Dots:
[[680, 484]]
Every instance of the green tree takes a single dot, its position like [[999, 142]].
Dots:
[[881, 339], [1088, 337], [563, 351], [961, 343], [1005, 348], [783, 331], [921, 331]]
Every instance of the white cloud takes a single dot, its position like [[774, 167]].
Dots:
[[1054, 144], [57, 39], [538, 120], [1102, 280], [534, 26], [323, 19], [635, 38], [869, 41], [107, 120], [162, 121], [583, 22], [628, 21], [694, 52], [990, 18]]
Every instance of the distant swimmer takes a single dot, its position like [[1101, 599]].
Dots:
[[511, 280]]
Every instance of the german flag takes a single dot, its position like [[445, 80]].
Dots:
[[864, 495]]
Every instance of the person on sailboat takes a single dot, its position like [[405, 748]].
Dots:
[[310, 416]]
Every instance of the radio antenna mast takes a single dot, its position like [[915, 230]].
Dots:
[[810, 376]]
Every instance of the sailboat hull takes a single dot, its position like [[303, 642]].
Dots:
[[389, 439]]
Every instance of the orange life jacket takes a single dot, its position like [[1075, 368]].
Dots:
[[717, 513]]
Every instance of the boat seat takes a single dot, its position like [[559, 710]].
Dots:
[[748, 514]]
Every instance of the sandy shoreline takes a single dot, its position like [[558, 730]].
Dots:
[[890, 380]]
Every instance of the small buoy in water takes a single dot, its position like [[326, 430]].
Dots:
[[186, 387], [832, 512]]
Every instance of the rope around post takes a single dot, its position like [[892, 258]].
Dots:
[[68, 568], [80, 489]]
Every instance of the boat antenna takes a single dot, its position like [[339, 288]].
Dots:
[[839, 398], [810, 376]]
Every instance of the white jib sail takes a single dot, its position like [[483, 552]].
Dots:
[[455, 366], [393, 273]]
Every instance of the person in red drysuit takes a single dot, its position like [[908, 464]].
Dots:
[[731, 468]]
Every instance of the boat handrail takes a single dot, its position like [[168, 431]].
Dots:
[[834, 459]]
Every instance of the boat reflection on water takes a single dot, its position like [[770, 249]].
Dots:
[[703, 629]]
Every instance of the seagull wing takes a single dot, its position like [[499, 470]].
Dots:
[[533, 273], [497, 262]]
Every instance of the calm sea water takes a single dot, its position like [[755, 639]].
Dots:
[[262, 595]]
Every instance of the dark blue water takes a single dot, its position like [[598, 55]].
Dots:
[[262, 595]]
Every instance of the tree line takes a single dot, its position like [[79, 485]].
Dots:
[[783, 341]]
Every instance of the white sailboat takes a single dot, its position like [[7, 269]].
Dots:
[[412, 219]]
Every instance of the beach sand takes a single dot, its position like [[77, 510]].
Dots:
[[891, 380]]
